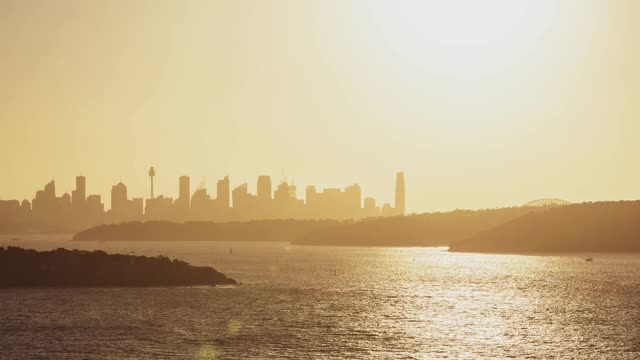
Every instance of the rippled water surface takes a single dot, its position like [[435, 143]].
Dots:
[[324, 303]]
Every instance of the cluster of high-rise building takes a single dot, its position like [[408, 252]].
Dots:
[[79, 210], [48, 212]]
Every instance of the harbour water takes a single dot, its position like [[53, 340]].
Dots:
[[298, 302]]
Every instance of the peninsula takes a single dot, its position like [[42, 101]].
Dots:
[[24, 268], [258, 230], [428, 229], [586, 227]]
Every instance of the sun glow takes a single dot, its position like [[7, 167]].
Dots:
[[463, 38]]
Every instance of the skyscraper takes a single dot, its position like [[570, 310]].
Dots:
[[400, 205], [119, 199], [264, 188], [353, 199], [79, 195], [223, 192], [79, 203], [310, 195], [50, 190], [369, 204], [185, 192], [240, 195], [282, 193]]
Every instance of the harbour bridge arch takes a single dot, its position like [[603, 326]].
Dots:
[[546, 202]]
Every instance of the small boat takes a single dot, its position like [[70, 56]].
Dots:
[[588, 259], [230, 251]]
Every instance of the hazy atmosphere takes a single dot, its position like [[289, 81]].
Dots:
[[481, 104], [319, 179]]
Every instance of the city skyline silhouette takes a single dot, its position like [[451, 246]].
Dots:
[[319, 179], [80, 210], [521, 101]]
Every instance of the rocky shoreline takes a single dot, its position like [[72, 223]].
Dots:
[[61, 267]]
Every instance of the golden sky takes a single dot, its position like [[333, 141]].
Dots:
[[482, 104]]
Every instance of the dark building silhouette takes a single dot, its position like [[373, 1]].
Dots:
[[387, 210], [50, 212], [369, 204], [334, 203], [183, 201], [44, 204], [136, 208], [245, 205], [353, 198], [123, 209], [311, 196], [118, 198], [159, 208], [95, 210], [202, 205], [264, 188], [15, 216], [79, 195], [79, 203], [400, 205], [223, 192]]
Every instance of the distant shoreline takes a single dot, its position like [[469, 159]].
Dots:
[[601, 227], [260, 230], [588, 228]]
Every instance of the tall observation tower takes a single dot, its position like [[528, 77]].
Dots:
[[152, 173], [400, 206]]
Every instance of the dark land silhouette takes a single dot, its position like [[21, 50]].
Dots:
[[586, 227], [430, 229], [22, 268], [259, 230], [434, 229], [49, 213]]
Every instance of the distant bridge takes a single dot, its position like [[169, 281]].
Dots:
[[546, 202]]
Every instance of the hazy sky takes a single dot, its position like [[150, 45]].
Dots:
[[482, 104]]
